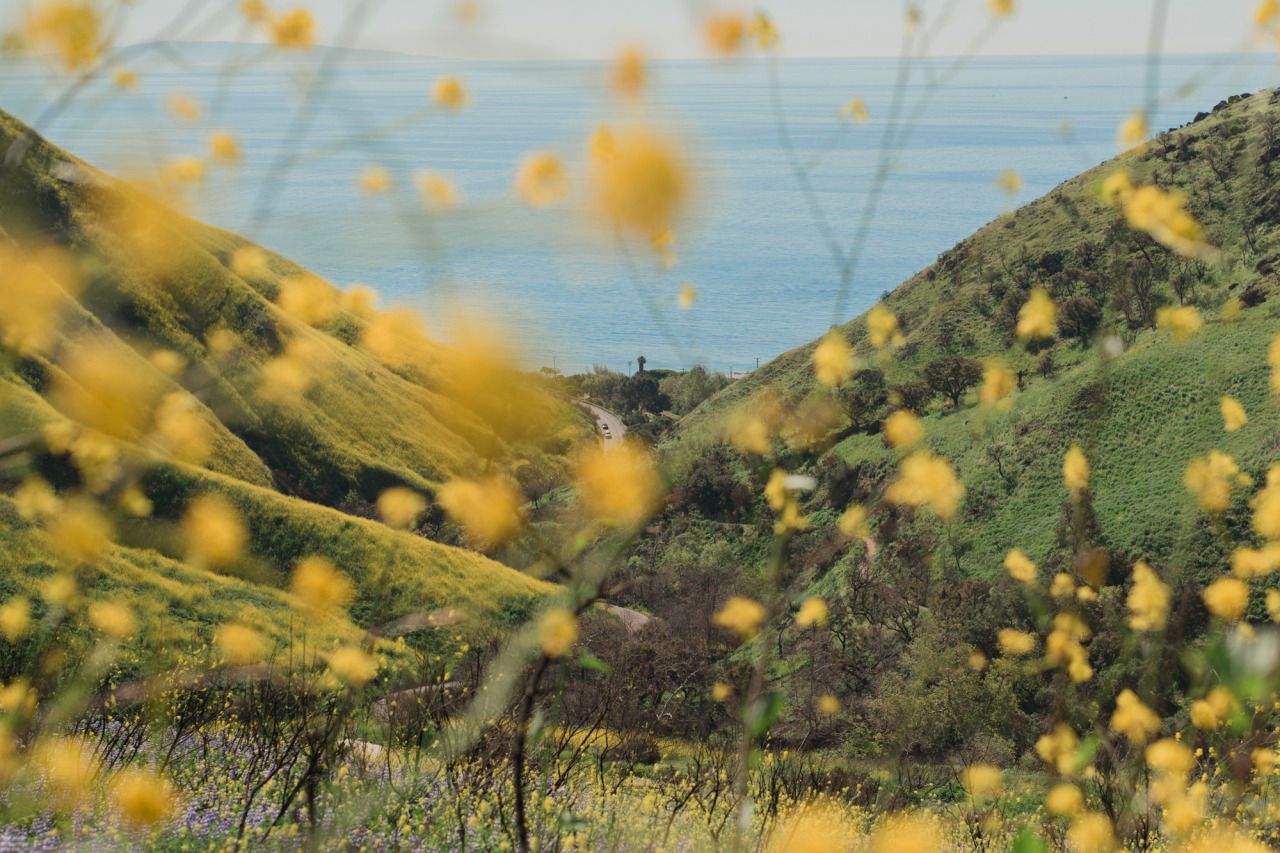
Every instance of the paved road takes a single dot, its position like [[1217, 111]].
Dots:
[[612, 429]]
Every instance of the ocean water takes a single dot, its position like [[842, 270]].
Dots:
[[567, 293]]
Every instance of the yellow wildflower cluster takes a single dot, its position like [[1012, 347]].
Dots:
[[1133, 719], [1148, 600], [557, 632], [1211, 478], [740, 615], [320, 586], [639, 181], [1163, 215], [925, 479], [488, 509], [833, 360], [1038, 317], [619, 484]]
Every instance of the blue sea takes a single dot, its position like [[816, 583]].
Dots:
[[568, 296]]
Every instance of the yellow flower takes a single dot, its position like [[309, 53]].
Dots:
[[542, 179], [18, 698], [15, 618], [817, 826], [827, 705], [1164, 216], [1015, 643], [1020, 567], [59, 590], [926, 480], [294, 30], [1169, 756], [1000, 8], [1059, 749], [1116, 188], [833, 360], [101, 387], [319, 584], [629, 73], [908, 833], [998, 383], [748, 432], [1148, 601], [488, 509], [143, 798], [639, 182], [855, 110], [308, 299], [180, 429], [35, 499], [1133, 130], [449, 93], [557, 632], [399, 507], [1265, 12], [812, 612], [124, 79], [903, 429], [1209, 713], [976, 661], [1182, 321], [185, 107], [1233, 414], [853, 521], [1038, 317], [286, 378], [112, 618], [239, 644], [249, 262], [1091, 832], [1133, 719], [71, 31], [720, 691], [1063, 585], [724, 33], [687, 296], [1075, 469], [224, 148], [394, 337], [1009, 181], [741, 615], [254, 11], [353, 666], [36, 289], [982, 781], [68, 766], [214, 532], [619, 484], [1211, 477], [79, 532], [375, 180], [1064, 800], [882, 328], [438, 192], [763, 31], [1266, 506], [1227, 598]]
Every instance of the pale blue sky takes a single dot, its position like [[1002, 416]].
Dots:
[[596, 28]]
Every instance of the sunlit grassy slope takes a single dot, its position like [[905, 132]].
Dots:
[[1140, 416], [360, 430]]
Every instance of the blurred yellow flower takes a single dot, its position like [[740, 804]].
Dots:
[[1265, 12], [112, 618], [294, 30], [124, 79], [1091, 832], [375, 180], [639, 181], [101, 387], [1227, 598], [73, 32], [36, 289], [828, 705], [181, 430], [224, 148], [399, 507], [1133, 719], [1000, 8], [1015, 643], [1020, 567], [1273, 604], [761, 29], [1210, 712], [720, 691], [982, 781], [68, 766], [855, 110], [1169, 756], [353, 666], [394, 337], [1255, 562], [15, 618], [908, 832], [998, 382], [687, 296], [820, 825], [308, 299], [239, 644], [1064, 800], [1211, 477], [1133, 130], [903, 429], [1233, 414], [1182, 321], [853, 521], [319, 584], [79, 532], [925, 479], [488, 509], [438, 192], [833, 360], [142, 797], [812, 612], [542, 179], [1059, 748], [1148, 600], [1009, 182], [557, 632], [35, 499], [1164, 216], [1038, 317], [724, 33], [1266, 506], [449, 93], [185, 107], [249, 262], [213, 530], [286, 378], [740, 615], [1075, 469], [1063, 585], [254, 11], [629, 73], [619, 484]]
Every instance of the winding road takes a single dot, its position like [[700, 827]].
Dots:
[[612, 429]]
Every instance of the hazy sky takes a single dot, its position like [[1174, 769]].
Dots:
[[596, 28]]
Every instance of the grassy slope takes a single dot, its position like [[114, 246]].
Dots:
[[362, 429], [1158, 401]]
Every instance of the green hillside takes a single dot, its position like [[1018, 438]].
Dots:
[[1157, 399], [288, 467]]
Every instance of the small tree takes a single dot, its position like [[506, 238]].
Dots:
[[953, 375], [1078, 317], [914, 395], [863, 398]]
